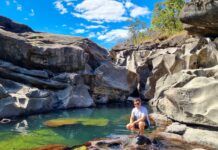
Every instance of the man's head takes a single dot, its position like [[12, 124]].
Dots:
[[137, 102]]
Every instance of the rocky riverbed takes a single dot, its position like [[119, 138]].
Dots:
[[42, 72]]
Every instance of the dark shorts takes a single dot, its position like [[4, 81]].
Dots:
[[136, 126]]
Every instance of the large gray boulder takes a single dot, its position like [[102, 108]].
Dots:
[[202, 136], [189, 96], [207, 138], [115, 82], [200, 17], [49, 51], [153, 59], [21, 99]]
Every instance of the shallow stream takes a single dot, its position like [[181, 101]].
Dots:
[[31, 131]]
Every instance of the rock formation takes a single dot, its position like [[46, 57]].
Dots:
[[178, 75], [41, 72], [181, 80], [200, 17]]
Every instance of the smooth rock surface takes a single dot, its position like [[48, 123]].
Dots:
[[25, 100], [176, 128], [201, 17], [48, 51], [204, 137], [195, 102], [115, 82]]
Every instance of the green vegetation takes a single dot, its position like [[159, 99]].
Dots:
[[72, 121], [30, 140], [166, 16], [165, 22]]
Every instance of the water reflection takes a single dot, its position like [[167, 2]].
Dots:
[[118, 116], [22, 127]]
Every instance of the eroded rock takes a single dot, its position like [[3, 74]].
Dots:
[[115, 82], [201, 17], [193, 102], [57, 53]]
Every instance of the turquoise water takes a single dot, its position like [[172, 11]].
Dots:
[[29, 132]]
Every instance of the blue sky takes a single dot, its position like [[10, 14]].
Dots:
[[103, 21]]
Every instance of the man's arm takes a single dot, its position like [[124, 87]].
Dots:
[[131, 120], [140, 119]]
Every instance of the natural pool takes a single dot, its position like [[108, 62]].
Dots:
[[29, 132]]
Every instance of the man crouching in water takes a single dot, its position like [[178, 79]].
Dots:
[[139, 119]]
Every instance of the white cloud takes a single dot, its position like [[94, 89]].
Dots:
[[64, 25], [91, 35], [136, 10], [26, 18], [101, 10], [96, 27], [19, 7], [93, 26], [114, 35], [59, 6], [80, 31], [32, 13], [99, 34], [129, 4], [139, 11], [98, 22], [69, 4], [7, 3]]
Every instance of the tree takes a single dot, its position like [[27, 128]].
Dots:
[[137, 30], [166, 16]]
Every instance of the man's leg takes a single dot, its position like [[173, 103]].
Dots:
[[132, 128], [129, 126], [141, 127]]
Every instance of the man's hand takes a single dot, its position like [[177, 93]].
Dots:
[[132, 125]]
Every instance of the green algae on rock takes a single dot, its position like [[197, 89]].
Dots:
[[60, 122], [31, 140], [73, 121]]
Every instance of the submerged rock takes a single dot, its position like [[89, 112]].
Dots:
[[72, 121]]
